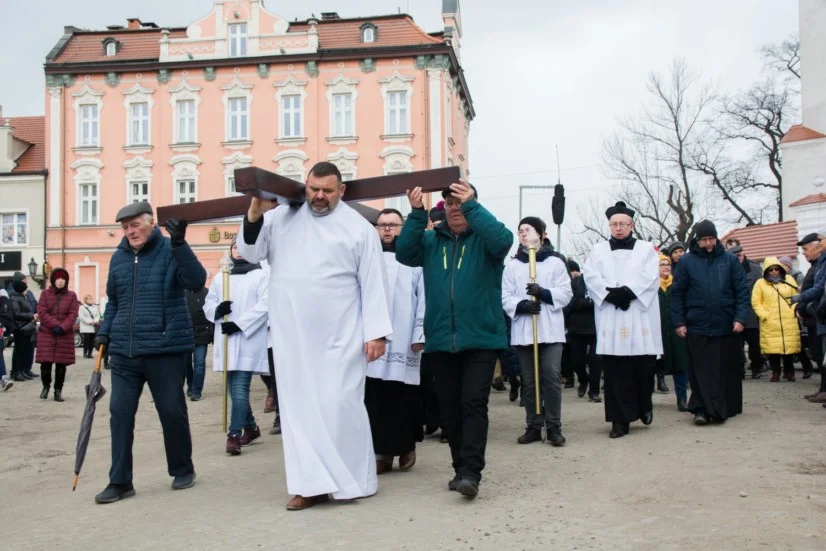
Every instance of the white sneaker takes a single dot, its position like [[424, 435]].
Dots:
[[6, 384]]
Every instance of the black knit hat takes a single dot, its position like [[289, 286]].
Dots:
[[573, 266], [437, 215], [705, 228], [537, 224], [673, 247], [619, 208]]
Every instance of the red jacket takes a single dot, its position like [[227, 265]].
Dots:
[[56, 308]]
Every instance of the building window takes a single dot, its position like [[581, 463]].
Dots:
[[13, 229], [185, 191], [138, 191], [397, 113], [342, 115], [291, 115], [238, 40], [139, 114], [346, 176], [238, 119], [401, 204], [90, 125], [111, 48], [88, 203], [185, 114], [368, 33]]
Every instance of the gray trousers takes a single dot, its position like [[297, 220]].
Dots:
[[550, 384]]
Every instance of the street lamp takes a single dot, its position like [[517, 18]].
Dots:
[[32, 268]]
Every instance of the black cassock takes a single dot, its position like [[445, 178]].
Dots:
[[396, 416], [715, 372], [628, 387]]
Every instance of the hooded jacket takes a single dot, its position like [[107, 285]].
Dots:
[[22, 309], [57, 308], [779, 330]]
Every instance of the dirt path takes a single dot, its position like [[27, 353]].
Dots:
[[757, 482]]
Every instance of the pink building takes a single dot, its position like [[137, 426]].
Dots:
[[167, 114]]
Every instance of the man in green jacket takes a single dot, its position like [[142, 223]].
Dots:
[[464, 328]]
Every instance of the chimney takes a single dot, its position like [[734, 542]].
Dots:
[[329, 16], [133, 23], [7, 163]]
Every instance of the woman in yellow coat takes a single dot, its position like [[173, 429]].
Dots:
[[779, 330]]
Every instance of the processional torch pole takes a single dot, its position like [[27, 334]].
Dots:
[[532, 273], [225, 270]]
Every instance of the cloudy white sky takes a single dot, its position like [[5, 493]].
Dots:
[[542, 73]]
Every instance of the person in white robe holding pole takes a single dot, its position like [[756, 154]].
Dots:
[[622, 277], [329, 317], [247, 342], [392, 392]]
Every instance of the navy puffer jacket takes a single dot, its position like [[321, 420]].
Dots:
[[147, 313], [709, 292]]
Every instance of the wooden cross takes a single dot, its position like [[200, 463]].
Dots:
[[257, 182]]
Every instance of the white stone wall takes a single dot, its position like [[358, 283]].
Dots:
[[803, 165], [813, 63], [26, 194]]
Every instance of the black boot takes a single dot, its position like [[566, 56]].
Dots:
[[515, 384], [618, 430], [662, 388], [44, 394], [682, 405], [498, 384], [276, 425], [58, 395], [530, 436], [17, 376]]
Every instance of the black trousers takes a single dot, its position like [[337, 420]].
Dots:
[[270, 382], [463, 385], [427, 388], [165, 376], [46, 375], [88, 339], [628, 387], [21, 352], [583, 351], [567, 369], [788, 362], [752, 338]]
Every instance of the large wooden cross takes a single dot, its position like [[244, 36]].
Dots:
[[257, 182]]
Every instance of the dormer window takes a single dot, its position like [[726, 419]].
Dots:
[[110, 47], [368, 33]]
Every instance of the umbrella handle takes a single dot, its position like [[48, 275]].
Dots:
[[101, 352]]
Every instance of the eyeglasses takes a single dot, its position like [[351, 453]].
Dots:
[[774, 269], [388, 226], [665, 265], [620, 224]]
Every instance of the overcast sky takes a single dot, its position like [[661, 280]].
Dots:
[[541, 72]]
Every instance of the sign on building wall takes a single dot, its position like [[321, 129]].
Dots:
[[11, 261]]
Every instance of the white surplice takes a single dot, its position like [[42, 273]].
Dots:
[[551, 274], [405, 288], [327, 299], [636, 331], [249, 295]]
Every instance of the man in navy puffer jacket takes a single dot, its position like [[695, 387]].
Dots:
[[148, 331]]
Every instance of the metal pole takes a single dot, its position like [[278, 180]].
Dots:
[[225, 269]]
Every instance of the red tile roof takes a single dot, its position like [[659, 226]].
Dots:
[[31, 130], [767, 240], [134, 45], [810, 200], [799, 133]]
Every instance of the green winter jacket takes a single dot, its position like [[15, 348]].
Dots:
[[462, 279]]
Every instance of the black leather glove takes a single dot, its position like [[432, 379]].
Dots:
[[534, 290], [613, 296], [529, 308], [229, 328], [177, 231], [58, 331], [101, 340], [223, 309]]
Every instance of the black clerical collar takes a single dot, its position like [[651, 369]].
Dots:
[[622, 244]]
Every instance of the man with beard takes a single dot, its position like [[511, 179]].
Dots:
[[329, 318], [709, 307], [622, 277], [751, 334], [392, 393]]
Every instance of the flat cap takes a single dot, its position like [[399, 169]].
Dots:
[[809, 238], [133, 210], [735, 249]]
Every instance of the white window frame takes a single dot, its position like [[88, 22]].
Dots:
[[237, 91], [237, 40], [186, 126], [139, 123], [346, 161], [84, 98], [292, 120], [337, 86], [90, 124], [232, 162], [184, 92], [290, 88], [398, 160], [397, 108], [135, 95], [111, 48], [15, 213], [190, 193], [368, 34], [291, 164], [390, 85], [140, 195], [342, 115], [93, 198], [138, 169], [185, 168], [87, 173]]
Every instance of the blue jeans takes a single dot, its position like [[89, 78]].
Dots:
[[195, 376], [681, 385], [238, 383]]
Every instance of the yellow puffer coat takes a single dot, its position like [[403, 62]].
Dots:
[[779, 330]]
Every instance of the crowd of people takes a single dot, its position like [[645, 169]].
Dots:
[[370, 337]]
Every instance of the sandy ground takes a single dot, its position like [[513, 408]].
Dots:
[[757, 482]]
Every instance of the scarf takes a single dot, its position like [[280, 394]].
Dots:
[[241, 266], [774, 279], [665, 282]]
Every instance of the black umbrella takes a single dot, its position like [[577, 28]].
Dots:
[[94, 392]]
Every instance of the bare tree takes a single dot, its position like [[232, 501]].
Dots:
[[784, 57]]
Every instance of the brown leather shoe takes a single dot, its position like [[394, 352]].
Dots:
[[269, 403], [407, 461], [820, 398], [383, 466], [299, 503], [250, 436], [233, 445]]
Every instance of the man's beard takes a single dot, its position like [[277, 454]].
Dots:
[[321, 208]]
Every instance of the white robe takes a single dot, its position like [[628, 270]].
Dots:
[[247, 348], [551, 274], [405, 288], [327, 299], [636, 331]]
